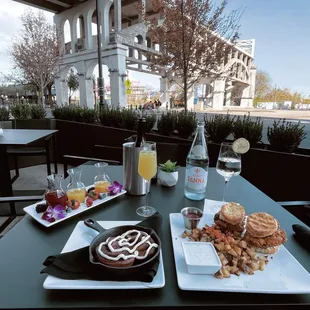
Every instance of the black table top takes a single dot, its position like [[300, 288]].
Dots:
[[25, 247], [23, 136]]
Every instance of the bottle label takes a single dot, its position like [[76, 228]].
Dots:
[[196, 178]]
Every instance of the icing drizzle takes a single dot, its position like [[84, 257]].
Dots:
[[125, 243]]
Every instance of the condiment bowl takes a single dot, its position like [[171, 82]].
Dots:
[[191, 216], [201, 258]]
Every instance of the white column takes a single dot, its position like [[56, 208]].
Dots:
[[165, 93], [190, 98], [245, 97], [58, 91], [141, 17], [218, 93], [89, 35], [229, 89], [117, 69], [117, 15], [73, 33], [104, 8], [64, 92], [86, 91]]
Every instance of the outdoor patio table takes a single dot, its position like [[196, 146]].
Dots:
[[15, 137], [24, 248]]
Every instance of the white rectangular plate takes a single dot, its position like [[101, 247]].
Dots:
[[37, 216], [282, 275], [81, 237]]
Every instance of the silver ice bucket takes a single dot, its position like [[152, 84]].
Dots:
[[134, 184]]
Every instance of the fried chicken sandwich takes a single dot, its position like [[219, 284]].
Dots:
[[231, 218], [263, 233]]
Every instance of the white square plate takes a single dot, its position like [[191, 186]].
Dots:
[[38, 216], [282, 275], [82, 236]]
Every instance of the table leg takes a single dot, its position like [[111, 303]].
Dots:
[[5, 179]]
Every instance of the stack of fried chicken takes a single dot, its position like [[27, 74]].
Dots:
[[260, 230], [241, 240]]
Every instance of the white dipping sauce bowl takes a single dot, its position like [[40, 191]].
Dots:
[[201, 257]]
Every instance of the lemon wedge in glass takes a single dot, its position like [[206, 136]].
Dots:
[[241, 146]]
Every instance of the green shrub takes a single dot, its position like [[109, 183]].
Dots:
[[248, 129], [4, 114], [129, 119], [219, 127], [111, 117], [185, 124], [86, 115], [68, 113], [76, 114], [37, 111], [166, 123], [21, 110], [150, 122], [285, 136]]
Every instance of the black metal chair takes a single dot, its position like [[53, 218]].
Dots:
[[48, 144], [300, 209], [79, 160], [11, 201]]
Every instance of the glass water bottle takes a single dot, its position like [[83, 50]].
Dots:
[[197, 164]]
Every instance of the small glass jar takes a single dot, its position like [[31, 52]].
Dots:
[[54, 194], [76, 189], [102, 181]]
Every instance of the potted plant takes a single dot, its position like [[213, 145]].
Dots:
[[285, 136], [168, 174]]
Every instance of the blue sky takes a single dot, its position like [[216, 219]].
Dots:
[[281, 29]]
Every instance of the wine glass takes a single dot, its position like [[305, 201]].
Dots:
[[147, 168], [228, 163]]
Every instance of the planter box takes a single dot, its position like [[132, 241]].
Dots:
[[278, 175], [6, 124], [31, 123], [75, 138]]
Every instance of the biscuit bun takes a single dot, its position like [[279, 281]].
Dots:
[[269, 250], [232, 213], [260, 225]]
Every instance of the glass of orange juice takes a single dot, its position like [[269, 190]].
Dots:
[[76, 189], [147, 168], [102, 180]]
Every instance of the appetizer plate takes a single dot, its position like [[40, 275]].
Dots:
[[81, 237], [38, 216], [282, 275]]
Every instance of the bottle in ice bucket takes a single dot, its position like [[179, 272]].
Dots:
[[197, 164]]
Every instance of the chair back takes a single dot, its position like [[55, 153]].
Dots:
[[109, 152]]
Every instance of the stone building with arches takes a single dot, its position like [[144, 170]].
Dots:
[[124, 45]]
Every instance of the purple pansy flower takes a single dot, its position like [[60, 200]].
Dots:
[[52, 214], [115, 188]]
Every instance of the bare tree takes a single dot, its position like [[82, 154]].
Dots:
[[195, 38], [36, 52], [73, 83], [263, 84]]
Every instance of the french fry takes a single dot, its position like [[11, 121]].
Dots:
[[261, 265]]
